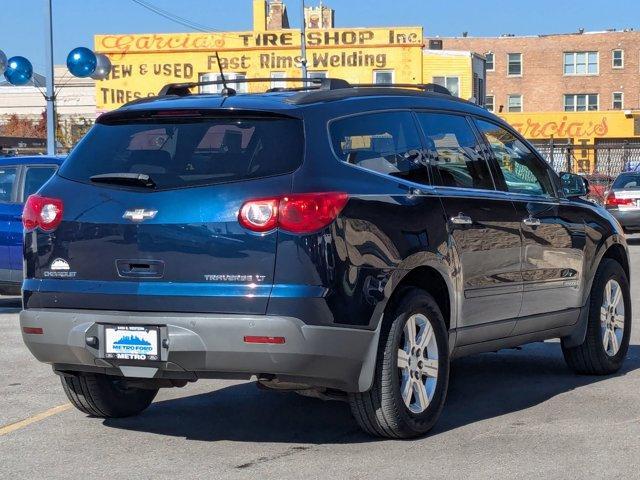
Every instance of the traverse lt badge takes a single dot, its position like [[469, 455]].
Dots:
[[139, 214]]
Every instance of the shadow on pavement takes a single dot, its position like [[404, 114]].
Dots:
[[10, 304], [481, 387]]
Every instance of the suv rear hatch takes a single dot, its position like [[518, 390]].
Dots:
[[150, 204]]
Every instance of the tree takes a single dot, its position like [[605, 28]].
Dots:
[[18, 126]]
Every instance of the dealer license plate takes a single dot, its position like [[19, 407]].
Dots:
[[131, 342]]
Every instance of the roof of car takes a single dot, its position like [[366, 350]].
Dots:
[[31, 160], [290, 103]]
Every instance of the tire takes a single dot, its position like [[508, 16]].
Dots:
[[590, 357], [382, 411], [105, 396]]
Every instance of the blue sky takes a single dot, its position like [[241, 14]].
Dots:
[[76, 21]]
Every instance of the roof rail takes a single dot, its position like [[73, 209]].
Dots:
[[426, 87], [184, 89]]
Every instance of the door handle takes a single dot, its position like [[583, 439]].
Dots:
[[532, 222], [461, 219]]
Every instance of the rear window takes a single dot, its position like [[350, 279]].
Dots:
[[627, 181], [189, 151]]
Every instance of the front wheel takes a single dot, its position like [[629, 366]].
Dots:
[[412, 374], [106, 396], [609, 324]]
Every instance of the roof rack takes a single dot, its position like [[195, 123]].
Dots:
[[184, 89], [425, 87]]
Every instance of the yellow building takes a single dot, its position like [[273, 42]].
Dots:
[[463, 73], [594, 141], [144, 63]]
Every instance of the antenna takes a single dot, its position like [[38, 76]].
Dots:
[[226, 91]]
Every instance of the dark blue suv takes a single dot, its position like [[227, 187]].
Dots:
[[19, 178], [340, 241]]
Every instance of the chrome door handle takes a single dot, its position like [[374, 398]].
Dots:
[[461, 219], [532, 222]]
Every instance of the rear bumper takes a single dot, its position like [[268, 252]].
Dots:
[[629, 219], [210, 346]]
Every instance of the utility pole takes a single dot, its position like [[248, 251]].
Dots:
[[50, 96], [303, 43]]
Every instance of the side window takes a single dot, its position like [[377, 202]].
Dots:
[[523, 172], [35, 178], [387, 143], [453, 151], [7, 181]]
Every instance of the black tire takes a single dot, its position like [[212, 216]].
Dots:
[[590, 357], [381, 411], [105, 396]]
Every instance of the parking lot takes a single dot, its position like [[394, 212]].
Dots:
[[512, 414]]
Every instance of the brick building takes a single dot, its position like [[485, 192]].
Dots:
[[584, 71]]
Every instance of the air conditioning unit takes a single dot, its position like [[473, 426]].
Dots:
[[435, 44]]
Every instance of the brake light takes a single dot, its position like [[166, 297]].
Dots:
[[613, 201], [298, 213], [42, 212]]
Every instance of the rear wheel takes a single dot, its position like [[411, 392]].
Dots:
[[412, 373], [609, 324], [106, 396]]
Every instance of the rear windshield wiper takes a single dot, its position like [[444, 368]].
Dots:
[[137, 179]]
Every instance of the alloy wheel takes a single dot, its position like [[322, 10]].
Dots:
[[418, 363], [612, 317]]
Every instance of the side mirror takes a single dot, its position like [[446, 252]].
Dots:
[[574, 185]]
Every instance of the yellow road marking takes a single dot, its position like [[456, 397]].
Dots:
[[12, 427]]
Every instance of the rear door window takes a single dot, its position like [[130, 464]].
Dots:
[[188, 151], [35, 178], [627, 181], [7, 183], [452, 148], [387, 143]]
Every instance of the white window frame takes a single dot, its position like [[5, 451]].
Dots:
[[317, 74], [494, 61], [386, 70], [493, 103], [446, 79], [210, 76], [613, 59], [521, 64], [515, 95], [575, 102], [275, 83], [613, 100], [575, 64]]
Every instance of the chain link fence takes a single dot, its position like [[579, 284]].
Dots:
[[600, 163]]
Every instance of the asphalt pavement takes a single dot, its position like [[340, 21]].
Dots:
[[512, 414]]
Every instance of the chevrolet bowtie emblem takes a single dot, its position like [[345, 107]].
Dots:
[[139, 214]]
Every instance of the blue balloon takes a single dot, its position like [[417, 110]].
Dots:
[[19, 71], [81, 62]]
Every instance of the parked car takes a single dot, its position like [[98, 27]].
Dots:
[[19, 178], [599, 184], [623, 201], [341, 242]]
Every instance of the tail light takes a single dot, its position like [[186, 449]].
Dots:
[[42, 212], [613, 201], [299, 213]]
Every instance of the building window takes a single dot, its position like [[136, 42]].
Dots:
[[515, 64], [450, 83], [514, 103], [317, 74], [581, 63], [618, 100], [210, 77], [275, 82], [489, 103], [383, 76], [582, 102], [490, 61], [618, 59]]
